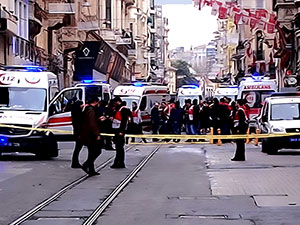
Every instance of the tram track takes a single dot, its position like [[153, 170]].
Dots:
[[100, 209]]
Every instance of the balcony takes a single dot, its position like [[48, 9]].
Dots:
[[62, 8]]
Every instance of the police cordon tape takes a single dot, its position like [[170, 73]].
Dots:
[[167, 136]]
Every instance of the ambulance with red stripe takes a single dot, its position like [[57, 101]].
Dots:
[[255, 90], [25, 93], [189, 92], [145, 95]]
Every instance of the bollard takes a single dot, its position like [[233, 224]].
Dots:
[[248, 139], [256, 139], [211, 133], [219, 143]]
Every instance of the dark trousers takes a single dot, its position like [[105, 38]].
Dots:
[[77, 149], [120, 152], [93, 152], [240, 149]]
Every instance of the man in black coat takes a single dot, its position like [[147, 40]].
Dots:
[[90, 135]]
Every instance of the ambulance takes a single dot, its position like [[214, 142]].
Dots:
[[189, 92], [145, 95], [255, 90], [25, 93], [229, 92]]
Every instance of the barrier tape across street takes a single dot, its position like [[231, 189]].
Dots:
[[167, 136]]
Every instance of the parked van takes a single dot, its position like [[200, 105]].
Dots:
[[60, 107], [189, 92], [25, 93], [145, 95]]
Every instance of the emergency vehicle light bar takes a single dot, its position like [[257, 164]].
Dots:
[[25, 68]]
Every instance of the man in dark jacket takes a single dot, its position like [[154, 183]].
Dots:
[[155, 118], [90, 135], [119, 125], [77, 117]]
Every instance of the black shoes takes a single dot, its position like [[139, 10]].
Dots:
[[109, 148], [118, 166], [235, 159], [90, 172], [94, 173]]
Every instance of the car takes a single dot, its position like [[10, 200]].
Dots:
[[280, 115]]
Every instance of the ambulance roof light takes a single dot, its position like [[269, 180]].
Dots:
[[30, 68], [138, 84], [3, 140]]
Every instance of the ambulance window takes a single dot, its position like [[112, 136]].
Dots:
[[143, 104]]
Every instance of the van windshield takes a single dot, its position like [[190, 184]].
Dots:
[[23, 99], [255, 99], [129, 101], [182, 99], [285, 111]]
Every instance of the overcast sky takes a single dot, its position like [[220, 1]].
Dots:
[[188, 26]]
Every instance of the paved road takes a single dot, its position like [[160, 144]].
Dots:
[[181, 184]]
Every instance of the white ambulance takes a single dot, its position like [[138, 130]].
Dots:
[[189, 92], [229, 92], [145, 95], [25, 93], [255, 90]]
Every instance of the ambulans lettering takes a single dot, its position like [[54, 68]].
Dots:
[[257, 87], [127, 91], [32, 80]]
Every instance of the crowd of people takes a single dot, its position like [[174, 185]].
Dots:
[[92, 118]]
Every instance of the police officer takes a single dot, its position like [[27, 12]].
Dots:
[[241, 127], [119, 125]]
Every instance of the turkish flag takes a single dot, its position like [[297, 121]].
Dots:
[[270, 28], [253, 22], [261, 25], [261, 13], [222, 12], [272, 18], [237, 18], [207, 2], [245, 17]]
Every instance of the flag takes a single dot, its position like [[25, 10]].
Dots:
[[272, 18], [207, 2], [222, 12], [245, 17], [270, 28], [261, 25], [253, 22], [237, 18], [215, 9], [261, 13]]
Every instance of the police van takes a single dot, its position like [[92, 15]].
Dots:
[[189, 92], [25, 93], [280, 115], [255, 90], [60, 119], [145, 95]]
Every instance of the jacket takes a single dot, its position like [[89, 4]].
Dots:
[[89, 130]]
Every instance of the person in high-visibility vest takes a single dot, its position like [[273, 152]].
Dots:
[[119, 125]]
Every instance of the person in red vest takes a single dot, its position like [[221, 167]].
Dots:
[[135, 125], [119, 125]]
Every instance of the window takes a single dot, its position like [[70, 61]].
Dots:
[[143, 105], [64, 101], [108, 14], [286, 111]]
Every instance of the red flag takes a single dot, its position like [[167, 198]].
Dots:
[[261, 13], [245, 17], [272, 18], [261, 25], [270, 28], [253, 22], [222, 12], [237, 18], [236, 10], [207, 2]]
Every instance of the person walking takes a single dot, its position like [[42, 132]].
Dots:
[[90, 135], [77, 118], [175, 120], [119, 125], [155, 121], [241, 127]]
